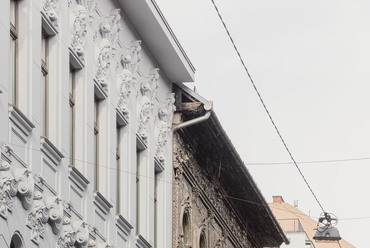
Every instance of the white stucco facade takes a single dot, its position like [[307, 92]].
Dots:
[[86, 109]]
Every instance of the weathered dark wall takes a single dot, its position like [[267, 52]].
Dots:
[[211, 220]]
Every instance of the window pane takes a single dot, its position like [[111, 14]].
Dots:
[[12, 71]]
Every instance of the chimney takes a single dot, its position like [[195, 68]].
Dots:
[[277, 199], [295, 203]]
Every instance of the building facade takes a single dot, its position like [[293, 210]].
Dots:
[[216, 202], [300, 228], [86, 109]]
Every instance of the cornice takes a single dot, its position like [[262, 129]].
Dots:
[[121, 118], [140, 143], [99, 91], [20, 120], [123, 225], [75, 60], [50, 150], [142, 243], [102, 203], [78, 178]]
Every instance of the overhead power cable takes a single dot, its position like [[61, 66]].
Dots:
[[264, 105], [311, 162]]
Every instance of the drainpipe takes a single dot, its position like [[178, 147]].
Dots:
[[207, 106]]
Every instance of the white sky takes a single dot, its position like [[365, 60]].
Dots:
[[310, 60]]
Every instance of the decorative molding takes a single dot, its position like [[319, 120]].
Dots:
[[78, 178], [56, 211], [51, 151], [102, 203], [75, 61], [142, 243], [102, 62], [20, 120], [67, 238], [123, 225], [147, 91], [106, 246], [141, 145], [185, 163], [50, 8], [49, 20], [135, 55], [100, 92], [124, 87], [122, 120], [158, 165], [38, 216], [163, 126], [25, 187], [8, 189], [78, 30], [91, 9]]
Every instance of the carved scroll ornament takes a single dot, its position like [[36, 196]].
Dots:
[[135, 54], [25, 187], [79, 30], [38, 216], [55, 208], [163, 128], [50, 8], [8, 189], [67, 238], [148, 89], [102, 62], [124, 86]]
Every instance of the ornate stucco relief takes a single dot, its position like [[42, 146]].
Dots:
[[38, 216], [163, 126], [102, 62], [25, 186], [129, 60], [135, 54], [79, 30], [203, 188], [147, 92], [109, 28], [50, 8], [8, 189]]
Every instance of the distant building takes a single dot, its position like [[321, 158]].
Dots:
[[298, 227], [216, 201]]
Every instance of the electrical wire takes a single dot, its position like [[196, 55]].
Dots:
[[311, 162], [264, 105], [170, 182]]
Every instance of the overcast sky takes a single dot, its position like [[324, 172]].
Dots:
[[311, 62]]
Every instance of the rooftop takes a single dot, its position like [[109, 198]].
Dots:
[[284, 211]]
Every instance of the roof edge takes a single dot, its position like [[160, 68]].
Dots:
[[157, 35]]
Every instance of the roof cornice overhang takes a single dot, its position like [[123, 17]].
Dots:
[[158, 37], [210, 134]]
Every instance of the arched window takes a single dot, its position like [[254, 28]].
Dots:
[[17, 241], [186, 228], [202, 241]]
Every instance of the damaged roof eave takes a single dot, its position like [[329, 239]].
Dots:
[[249, 177], [157, 35]]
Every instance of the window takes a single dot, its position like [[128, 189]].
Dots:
[[17, 241], [44, 84], [13, 60], [118, 158], [72, 75], [138, 153], [96, 142], [186, 228], [202, 240]]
